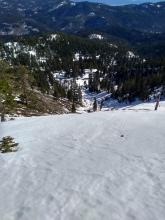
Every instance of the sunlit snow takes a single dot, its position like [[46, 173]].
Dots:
[[105, 165]]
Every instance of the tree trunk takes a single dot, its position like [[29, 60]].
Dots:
[[157, 103], [2, 112]]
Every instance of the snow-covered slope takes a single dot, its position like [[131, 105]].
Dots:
[[107, 165]]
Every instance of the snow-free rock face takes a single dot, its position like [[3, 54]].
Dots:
[[107, 165]]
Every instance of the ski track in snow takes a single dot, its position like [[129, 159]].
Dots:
[[78, 167]]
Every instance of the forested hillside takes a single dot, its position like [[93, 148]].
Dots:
[[20, 93], [54, 62]]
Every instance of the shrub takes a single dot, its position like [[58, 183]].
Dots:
[[8, 145]]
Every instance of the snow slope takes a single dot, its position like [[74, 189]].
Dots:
[[111, 103], [79, 167]]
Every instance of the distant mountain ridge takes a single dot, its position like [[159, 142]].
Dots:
[[26, 17], [120, 2]]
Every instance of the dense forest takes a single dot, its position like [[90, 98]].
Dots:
[[33, 61]]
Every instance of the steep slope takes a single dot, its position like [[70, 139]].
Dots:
[[91, 166]]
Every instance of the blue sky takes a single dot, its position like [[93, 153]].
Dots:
[[122, 2]]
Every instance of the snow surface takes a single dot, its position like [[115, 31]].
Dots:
[[104, 165], [109, 103], [96, 36], [88, 99]]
